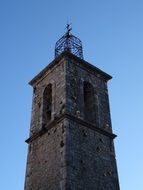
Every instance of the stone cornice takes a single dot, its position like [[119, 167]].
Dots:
[[66, 54], [73, 118]]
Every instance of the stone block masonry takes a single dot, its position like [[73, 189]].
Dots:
[[71, 140]]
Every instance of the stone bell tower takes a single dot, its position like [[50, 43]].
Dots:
[[70, 146]]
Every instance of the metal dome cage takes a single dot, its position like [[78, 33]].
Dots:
[[70, 43]]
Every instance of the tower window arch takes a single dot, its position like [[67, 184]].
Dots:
[[47, 104], [89, 102]]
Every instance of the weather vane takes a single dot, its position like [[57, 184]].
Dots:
[[69, 28]]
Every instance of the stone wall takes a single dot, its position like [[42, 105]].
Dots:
[[76, 74], [56, 77], [46, 169], [90, 159]]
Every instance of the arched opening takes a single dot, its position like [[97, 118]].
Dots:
[[47, 104], [89, 102]]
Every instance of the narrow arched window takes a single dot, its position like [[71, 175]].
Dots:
[[89, 102], [47, 104]]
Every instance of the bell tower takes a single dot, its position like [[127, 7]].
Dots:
[[70, 146]]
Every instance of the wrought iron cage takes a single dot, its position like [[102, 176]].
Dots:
[[69, 42]]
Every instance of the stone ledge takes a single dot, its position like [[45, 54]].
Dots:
[[66, 54], [73, 118]]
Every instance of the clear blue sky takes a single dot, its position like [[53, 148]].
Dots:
[[112, 36]]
